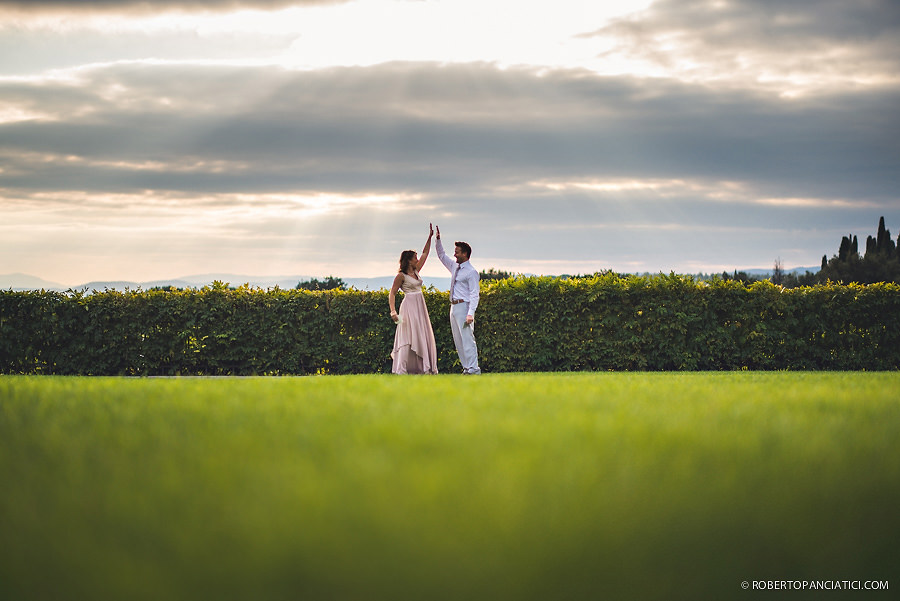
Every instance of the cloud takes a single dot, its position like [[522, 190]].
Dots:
[[430, 129], [155, 5], [794, 45], [789, 24], [143, 140], [249, 168], [305, 35]]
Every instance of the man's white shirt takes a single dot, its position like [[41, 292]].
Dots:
[[463, 282]]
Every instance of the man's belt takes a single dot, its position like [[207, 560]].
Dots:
[[457, 301]]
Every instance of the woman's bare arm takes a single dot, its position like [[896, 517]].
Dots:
[[392, 296], [426, 250]]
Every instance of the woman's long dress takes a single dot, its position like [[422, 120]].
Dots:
[[414, 349]]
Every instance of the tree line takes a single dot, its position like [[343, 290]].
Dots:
[[879, 263]]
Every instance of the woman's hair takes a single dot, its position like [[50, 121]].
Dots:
[[405, 257]]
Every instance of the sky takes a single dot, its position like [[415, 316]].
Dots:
[[141, 141]]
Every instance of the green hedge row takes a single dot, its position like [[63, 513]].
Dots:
[[523, 324]]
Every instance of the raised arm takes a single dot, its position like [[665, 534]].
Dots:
[[398, 281], [424, 256], [448, 262]]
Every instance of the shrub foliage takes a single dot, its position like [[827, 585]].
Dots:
[[605, 322]]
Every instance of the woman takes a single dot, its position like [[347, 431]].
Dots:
[[414, 349]]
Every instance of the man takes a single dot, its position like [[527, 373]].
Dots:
[[464, 293]]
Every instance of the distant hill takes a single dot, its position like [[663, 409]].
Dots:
[[21, 281]]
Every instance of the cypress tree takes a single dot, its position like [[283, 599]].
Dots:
[[844, 251], [883, 237]]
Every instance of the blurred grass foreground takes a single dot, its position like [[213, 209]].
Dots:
[[516, 486]]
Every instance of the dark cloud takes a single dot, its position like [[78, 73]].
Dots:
[[424, 128], [790, 37], [783, 22]]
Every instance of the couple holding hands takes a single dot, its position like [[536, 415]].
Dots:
[[415, 351]]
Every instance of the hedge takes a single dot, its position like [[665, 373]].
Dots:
[[605, 322]]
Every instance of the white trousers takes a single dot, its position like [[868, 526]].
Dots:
[[464, 338]]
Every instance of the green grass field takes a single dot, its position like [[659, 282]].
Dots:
[[518, 486]]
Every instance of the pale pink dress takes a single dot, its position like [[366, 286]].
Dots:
[[414, 349]]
